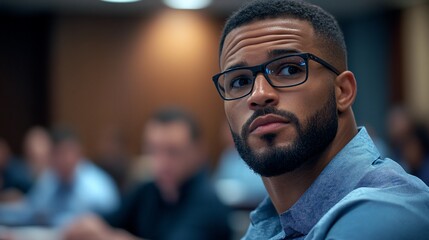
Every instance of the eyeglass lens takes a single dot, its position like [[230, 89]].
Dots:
[[283, 72]]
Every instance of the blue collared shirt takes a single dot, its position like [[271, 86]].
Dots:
[[359, 195]]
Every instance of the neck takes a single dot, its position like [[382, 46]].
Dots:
[[286, 189], [171, 196]]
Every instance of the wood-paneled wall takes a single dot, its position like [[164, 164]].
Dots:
[[113, 72]]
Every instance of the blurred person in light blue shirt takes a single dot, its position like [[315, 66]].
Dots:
[[71, 186]]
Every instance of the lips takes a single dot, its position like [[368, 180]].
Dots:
[[266, 121]]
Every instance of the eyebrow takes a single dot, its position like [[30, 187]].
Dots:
[[237, 65], [271, 54]]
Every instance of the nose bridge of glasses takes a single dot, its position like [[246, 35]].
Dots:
[[259, 70], [263, 81]]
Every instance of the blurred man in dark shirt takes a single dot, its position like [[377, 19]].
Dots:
[[179, 203]]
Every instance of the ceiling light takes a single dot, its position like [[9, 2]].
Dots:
[[187, 4], [120, 1]]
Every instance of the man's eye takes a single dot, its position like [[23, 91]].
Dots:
[[240, 82], [289, 70]]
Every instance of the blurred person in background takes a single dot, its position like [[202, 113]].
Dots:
[[37, 151], [179, 204], [409, 141], [415, 153], [37, 155], [288, 97], [400, 125], [236, 184], [14, 180], [69, 187]]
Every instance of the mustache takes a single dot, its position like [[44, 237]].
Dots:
[[293, 119]]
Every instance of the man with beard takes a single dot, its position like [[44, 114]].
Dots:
[[288, 97]]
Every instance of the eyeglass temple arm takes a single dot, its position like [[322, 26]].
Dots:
[[324, 63]]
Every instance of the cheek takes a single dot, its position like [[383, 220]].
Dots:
[[236, 115], [304, 100]]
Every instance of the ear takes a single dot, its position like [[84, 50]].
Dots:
[[345, 90]]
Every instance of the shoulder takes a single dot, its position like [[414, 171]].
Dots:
[[141, 194], [94, 185], [377, 214], [89, 175]]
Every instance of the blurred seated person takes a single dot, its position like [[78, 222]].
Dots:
[[20, 175], [71, 186], [415, 153], [236, 184], [178, 204], [37, 151], [14, 181], [399, 124]]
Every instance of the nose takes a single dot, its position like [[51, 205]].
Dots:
[[263, 94]]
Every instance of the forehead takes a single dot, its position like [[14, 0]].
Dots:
[[258, 39], [173, 133]]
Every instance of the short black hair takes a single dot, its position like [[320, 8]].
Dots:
[[60, 134], [324, 24], [169, 115]]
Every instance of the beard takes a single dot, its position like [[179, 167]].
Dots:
[[312, 139]]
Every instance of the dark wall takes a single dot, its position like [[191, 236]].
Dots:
[[24, 55], [373, 48]]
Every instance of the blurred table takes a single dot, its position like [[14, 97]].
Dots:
[[29, 233]]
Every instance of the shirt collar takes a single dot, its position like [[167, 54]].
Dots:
[[330, 187]]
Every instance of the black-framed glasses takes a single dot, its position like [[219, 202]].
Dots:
[[282, 72]]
